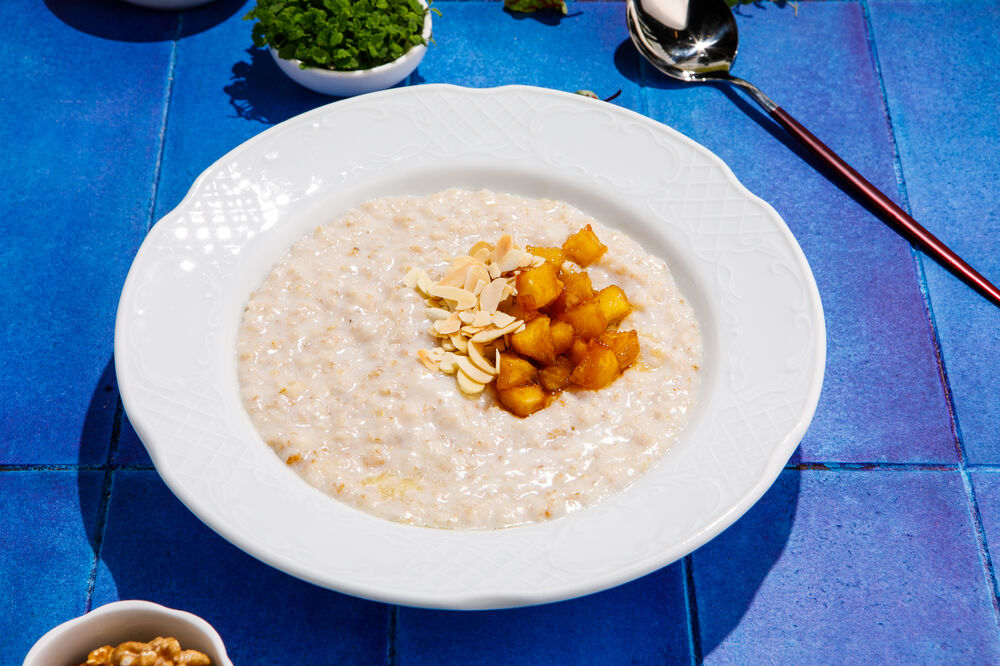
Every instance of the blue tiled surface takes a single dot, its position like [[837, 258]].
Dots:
[[45, 580], [645, 621], [877, 543], [80, 133], [947, 132], [802, 571], [155, 549]]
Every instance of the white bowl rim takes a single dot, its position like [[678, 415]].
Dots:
[[477, 599], [110, 610]]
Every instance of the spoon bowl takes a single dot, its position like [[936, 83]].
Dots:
[[704, 51], [699, 53]]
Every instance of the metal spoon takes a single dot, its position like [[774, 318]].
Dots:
[[704, 51]]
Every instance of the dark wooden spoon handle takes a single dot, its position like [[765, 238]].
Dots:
[[890, 212]]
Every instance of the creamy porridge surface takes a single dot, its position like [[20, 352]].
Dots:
[[328, 370]]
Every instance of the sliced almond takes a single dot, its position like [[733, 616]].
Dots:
[[469, 386], [483, 254], [455, 277], [497, 361], [511, 261], [494, 333], [476, 273], [482, 319], [480, 285], [449, 364], [466, 367], [481, 245], [448, 326], [463, 299], [492, 294], [476, 356], [466, 317], [460, 343], [410, 279], [437, 313], [424, 283], [501, 319], [503, 246], [469, 331], [426, 359]]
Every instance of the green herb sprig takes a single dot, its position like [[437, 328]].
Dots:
[[343, 35]]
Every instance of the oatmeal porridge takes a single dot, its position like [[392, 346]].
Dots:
[[333, 370]]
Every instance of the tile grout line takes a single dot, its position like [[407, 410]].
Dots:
[[162, 136], [963, 467], [693, 626], [119, 409], [105, 506], [46, 467]]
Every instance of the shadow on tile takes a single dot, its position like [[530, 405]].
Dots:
[[123, 22], [544, 16], [258, 91], [755, 542]]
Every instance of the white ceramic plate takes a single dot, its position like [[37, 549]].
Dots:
[[730, 252]]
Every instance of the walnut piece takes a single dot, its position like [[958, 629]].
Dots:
[[158, 652]]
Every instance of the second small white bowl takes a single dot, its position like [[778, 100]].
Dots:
[[123, 621], [359, 81]]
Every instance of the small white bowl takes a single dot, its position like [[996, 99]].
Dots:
[[120, 621], [359, 81]]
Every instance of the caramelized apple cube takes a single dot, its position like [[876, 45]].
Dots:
[[538, 286], [614, 305], [517, 312], [562, 335], [625, 345], [555, 378], [515, 371], [535, 341], [553, 255], [576, 289], [577, 351], [522, 400], [587, 319], [583, 247], [598, 368]]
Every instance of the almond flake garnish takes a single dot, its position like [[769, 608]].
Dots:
[[410, 279], [463, 307], [426, 359]]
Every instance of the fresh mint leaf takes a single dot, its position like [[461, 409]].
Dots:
[[534, 5], [339, 34]]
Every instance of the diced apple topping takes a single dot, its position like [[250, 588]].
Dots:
[[526, 322]]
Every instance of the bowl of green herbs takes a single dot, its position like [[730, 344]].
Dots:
[[344, 47]]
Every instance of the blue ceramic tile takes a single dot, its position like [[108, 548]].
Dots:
[[79, 121], [155, 549], [225, 91], [478, 44], [943, 106], [129, 450], [643, 622], [986, 484], [47, 525], [853, 566], [882, 399]]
